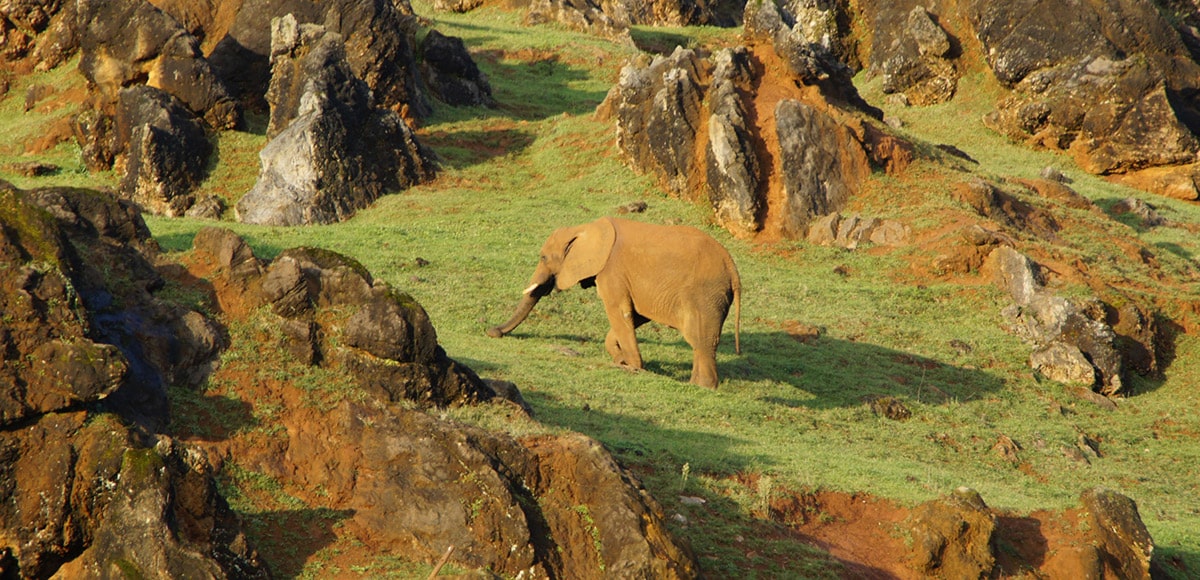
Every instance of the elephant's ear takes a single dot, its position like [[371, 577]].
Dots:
[[586, 253]]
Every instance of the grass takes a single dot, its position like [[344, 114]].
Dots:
[[791, 413]]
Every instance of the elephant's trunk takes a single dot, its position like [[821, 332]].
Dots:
[[534, 293]]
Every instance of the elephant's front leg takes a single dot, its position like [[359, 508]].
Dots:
[[621, 342]]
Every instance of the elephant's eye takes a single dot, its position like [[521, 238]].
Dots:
[[542, 258]]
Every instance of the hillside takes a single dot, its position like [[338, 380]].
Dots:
[[878, 376]]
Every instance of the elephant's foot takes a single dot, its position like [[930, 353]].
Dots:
[[708, 383]]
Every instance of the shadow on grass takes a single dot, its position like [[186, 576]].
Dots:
[[460, 149], [832, 373], [287, 538], [829, 373]]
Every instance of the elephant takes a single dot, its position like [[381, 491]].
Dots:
[[674, 275]]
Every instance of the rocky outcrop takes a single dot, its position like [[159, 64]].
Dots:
[[733, 171], [95, 479], [1113, 116], [332, 151], [854, 230], [915, 59], [1072, 343], [1111, 82], [166, 152], [87, 350], [767, 159], [818, 175], [131, 42], [952, 537], [379, 41], [451, 74]]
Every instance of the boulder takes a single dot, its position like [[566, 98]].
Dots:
[[914, 60], [130, 42], [818, 167], [952, 537], [451, 74], [166, 150], [332, 151], [1118, 532], [1112, 82]]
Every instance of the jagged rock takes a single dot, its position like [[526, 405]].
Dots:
[[378, 35], [818, 173], [450, 73], [733, 172], [1056, 326], [584, 16], [332, 152], [166, 150], [129, 507], [657, 111], [914, 57], [819, 22], [79, 304], [41, 31], [1119, 532], [129, 42], [1113, 116], [952, 536]]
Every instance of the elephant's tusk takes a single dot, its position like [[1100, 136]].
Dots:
[[530, 289]]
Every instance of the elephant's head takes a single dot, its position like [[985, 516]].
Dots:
[[570, 256]]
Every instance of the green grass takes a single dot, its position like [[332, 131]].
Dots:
[[790, 411]]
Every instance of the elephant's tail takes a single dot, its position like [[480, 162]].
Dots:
[[737, 302]]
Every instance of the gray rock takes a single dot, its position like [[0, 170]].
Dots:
[[1056, 326], [451, 74], [1119, 532], [167, 149], [732, 165], [815, 181], [333, 153], [1064, 363]]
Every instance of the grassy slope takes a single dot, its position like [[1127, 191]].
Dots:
[[789, 411]]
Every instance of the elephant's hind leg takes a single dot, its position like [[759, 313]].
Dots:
[[704, 359]]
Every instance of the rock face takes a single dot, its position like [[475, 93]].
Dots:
[[377, 34], [87, 486], [768, 158], [332, 151]]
